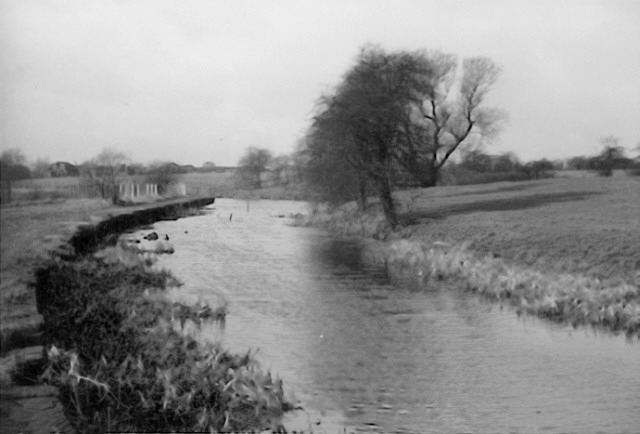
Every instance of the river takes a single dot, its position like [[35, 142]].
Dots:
[[361, 354]]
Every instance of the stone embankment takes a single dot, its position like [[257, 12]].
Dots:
[[27, 406]]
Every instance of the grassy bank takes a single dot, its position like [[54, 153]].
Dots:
[[122, 363], [566, 249]]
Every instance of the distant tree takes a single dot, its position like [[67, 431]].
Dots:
[[40, 168], [12, 168], [62, 169], [164, 175], [612, 154], [280, 167], [105, 172], [580, 163], [477, 161], [538, 169], [506, 163], [253, 164], [136, 169]]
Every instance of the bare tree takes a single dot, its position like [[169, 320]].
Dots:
[[105, 171], [40, 168], [12, 168], [440, 120], [164, 174], [253, 164], [280, 167], [610, 155]]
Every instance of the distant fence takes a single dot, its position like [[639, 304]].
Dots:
[[72, 187], [130, 191]]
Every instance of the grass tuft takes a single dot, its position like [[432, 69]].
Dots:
[[576, 299]]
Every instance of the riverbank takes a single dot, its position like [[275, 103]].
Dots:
[[128, 332], [563, 249]]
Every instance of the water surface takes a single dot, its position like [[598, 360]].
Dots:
[[365, 355]]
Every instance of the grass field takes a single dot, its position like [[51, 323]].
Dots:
[[589, 226]]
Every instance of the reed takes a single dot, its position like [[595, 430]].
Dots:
[[562, 297], [347, 221]]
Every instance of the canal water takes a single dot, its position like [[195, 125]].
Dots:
[[360, 354]]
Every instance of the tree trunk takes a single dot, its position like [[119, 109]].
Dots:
[[361, 197], [430, 178], [384, 190]]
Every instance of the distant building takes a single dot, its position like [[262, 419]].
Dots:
[[61, 169]]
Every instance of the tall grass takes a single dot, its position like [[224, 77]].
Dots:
[[119, 353], [572, 298], [347, 221]]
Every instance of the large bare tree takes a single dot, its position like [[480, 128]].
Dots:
[[446, 113]]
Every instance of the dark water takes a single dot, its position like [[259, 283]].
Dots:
[[361, 354]]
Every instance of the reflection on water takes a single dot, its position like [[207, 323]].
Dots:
[[362, 354]]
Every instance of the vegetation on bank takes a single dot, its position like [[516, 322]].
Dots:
[[565, 249], [576, 299], [122, 361]]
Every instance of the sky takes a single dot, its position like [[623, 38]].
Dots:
[[197, 81]]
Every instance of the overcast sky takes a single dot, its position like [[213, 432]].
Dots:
[[197, 81]]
